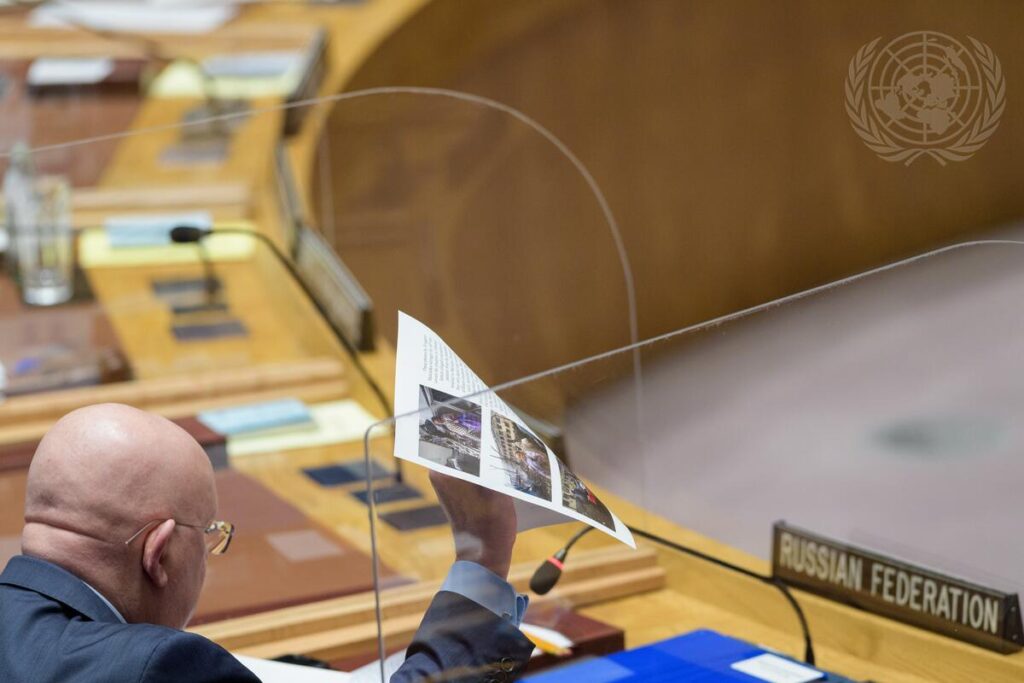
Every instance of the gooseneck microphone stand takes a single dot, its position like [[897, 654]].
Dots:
[[550, 571]]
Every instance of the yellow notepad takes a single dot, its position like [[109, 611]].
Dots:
[[183, 79], [95, 251]]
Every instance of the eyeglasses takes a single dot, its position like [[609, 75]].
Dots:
[[218, 534]]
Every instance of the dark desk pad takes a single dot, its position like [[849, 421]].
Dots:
[[345, 473], [278, 556], [60, 115], [415, 518], [387, 494], [206, 331], [591, 638], [89, 346]]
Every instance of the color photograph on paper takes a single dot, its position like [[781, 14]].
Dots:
[[524, 459], [449, 431], [480, 438], [577, 496]]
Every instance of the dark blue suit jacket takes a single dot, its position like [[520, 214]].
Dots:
[[54, 629]]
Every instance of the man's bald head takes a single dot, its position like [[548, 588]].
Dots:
[[98, 476], [104, 469]]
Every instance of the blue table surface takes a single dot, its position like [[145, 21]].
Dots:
[[702, 656]]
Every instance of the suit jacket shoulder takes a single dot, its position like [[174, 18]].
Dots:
[[184, 656], [54, 629]]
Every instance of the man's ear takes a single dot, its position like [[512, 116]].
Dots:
[[153, 549]]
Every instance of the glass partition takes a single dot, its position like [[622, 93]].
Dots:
[[211, 282], [480, 224], [879, 412], [469, 215], [225, 333], [451, 207]]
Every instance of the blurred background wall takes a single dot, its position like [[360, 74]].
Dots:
[[718, 131]]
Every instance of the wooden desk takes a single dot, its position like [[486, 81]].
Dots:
[[851, 642], [639, 115], [286, 336], [281, 30], [288, 349], [130, 170], [283, 325], [278, 556], [57, 117], [282, 558]]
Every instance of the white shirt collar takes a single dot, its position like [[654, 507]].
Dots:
[[106, 602]]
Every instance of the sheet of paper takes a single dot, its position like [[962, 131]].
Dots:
[[69, 70], [278, 672], [257, 417], [133, 17], [480, 439], [336, 422], [267, 64], [775, 669], [371, 673]]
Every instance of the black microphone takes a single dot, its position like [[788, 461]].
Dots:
[[185, 234], [548, 574], [550, 571]]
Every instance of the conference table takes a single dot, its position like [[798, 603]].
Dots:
[[287, 350]]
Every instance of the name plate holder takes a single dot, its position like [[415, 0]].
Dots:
[[896, 589]]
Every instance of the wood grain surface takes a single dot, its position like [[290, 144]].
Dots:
[[685, 112]]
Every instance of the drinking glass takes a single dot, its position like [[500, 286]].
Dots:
[[43, 241]]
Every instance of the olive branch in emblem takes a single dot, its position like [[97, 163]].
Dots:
[[882, 144]]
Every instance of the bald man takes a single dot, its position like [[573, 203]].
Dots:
[[120, 518]]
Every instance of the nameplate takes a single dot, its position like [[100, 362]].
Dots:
[[896, 589]]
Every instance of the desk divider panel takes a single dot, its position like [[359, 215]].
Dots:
[[878, 412]]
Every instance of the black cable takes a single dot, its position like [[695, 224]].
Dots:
[[190, 233], [290, 267], [548, 573], [770, 580], [575, 537], [211, 284]]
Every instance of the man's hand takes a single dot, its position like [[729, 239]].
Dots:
[[483, 522]]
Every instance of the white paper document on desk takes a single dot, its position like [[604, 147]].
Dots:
[[47, 71], [277, 672], [481, 439]]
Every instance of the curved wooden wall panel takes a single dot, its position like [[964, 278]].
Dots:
[[718, 131]]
